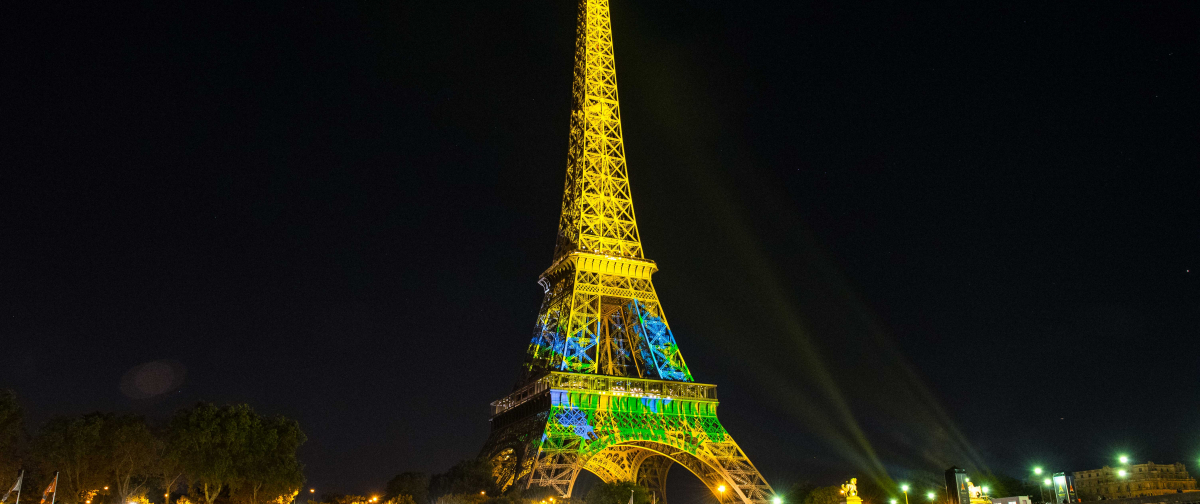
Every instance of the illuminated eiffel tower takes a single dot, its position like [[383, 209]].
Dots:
[[605, 388]]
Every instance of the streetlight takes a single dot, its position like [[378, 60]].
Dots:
[[904, 488], [984, 489], [1037, 471], [1047, 481], [777, 500], [1121, 473], [1123, 459], [721, 489], [929, 495]]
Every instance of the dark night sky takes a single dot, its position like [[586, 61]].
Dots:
[[951, 234]]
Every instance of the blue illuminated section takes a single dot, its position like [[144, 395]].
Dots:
[[571, 416], [546, 340], [575, 357], [637, 333], [654, 404], [659, 349]]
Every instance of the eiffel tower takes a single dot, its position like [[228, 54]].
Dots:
[[604, 387]]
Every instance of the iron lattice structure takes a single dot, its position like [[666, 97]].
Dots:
[[604, 387]]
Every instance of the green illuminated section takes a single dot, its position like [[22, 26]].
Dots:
[[592, 421]]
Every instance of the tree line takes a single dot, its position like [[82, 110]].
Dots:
[[201, 454], [472, 482]]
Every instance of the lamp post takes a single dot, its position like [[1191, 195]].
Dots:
[[904, 488], [1037, 471]]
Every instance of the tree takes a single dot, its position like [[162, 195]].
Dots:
[[461, 498], [825, 495], [268, 467], [128, 455], [12, 433], [344, 499], [413, 484], [233, 449], [73, 447], [468, 477], [210, 441], [617, 493], [796, 493], [167, 464]]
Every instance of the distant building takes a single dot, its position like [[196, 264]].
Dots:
[[1020, 499], [1139, 480]]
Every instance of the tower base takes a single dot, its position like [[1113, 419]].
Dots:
[[620, 429]]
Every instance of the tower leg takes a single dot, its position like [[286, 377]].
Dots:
[[652, 474], [556, 466]]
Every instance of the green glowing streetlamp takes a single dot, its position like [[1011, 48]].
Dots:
[[1122, 473], [1124, 459], [1037, 471], [929, 495], [777, 500], [904, 488], [1047, 481]]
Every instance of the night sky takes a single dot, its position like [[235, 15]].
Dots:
[[897, 237]]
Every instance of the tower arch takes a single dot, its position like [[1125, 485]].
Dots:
[[648, 462]]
